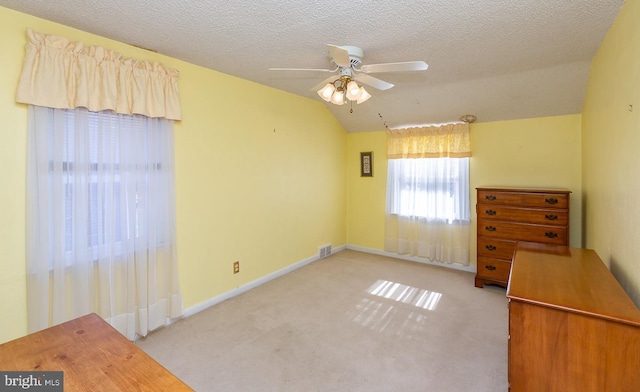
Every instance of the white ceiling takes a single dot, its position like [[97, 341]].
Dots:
[[496, 59]]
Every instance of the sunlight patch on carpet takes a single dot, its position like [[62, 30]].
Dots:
[[415, 296]]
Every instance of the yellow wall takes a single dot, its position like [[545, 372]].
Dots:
[[260, 175], [366, 196], [611, 150], [13, 146], [540, 152]]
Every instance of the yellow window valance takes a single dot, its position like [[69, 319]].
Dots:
[[62, 74], [437, 141]]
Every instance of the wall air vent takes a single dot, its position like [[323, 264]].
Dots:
[[324, 251]]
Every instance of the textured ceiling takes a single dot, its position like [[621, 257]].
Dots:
[[496, 59]]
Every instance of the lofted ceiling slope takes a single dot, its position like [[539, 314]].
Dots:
[[495, 59]]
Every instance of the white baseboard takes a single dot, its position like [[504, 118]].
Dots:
[[190, 311], [422, 260]]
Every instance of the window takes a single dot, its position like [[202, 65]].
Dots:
[[101, 218], [100, 194], [93, 180], [436, 189], [427, 212]]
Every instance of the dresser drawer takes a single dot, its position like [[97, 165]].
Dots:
[[522, 231], [494, 268], [525, 215], [496, 248], [524, 199]]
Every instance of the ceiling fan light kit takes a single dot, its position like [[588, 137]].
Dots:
[[344, 87]]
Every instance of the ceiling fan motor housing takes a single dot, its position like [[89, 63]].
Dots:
[[346, 72], [355, 56]]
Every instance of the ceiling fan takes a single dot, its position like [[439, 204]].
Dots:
[[349, 71]]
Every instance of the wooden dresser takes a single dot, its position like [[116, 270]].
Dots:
[[508, 215], [571, 325]]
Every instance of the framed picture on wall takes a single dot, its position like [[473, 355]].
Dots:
[[366, 164]]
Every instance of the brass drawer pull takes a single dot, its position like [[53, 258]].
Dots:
[[551, 234], [552, 200], [551, 217], [490, 212], [490, 247], [490, 267], [490, 197], [490, 228]]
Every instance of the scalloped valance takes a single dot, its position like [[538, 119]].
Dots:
[[62, 74]]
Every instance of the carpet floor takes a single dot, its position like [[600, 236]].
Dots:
[[350, 322]]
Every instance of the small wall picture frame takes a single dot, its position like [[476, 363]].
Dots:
[[366, 164]]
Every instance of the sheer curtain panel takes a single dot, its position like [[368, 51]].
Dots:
[[100, 186], [101, 219], [427, 208]]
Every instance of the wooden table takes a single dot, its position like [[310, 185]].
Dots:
[[571, 325], [92, 355]]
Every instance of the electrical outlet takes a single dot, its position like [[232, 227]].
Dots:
[[236, 267]]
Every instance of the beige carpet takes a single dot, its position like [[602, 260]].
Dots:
[[350, 322]]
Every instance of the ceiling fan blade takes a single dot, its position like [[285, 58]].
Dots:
[[407, 66], [339, 55], [373, 82], [323, 83], [303, 69]]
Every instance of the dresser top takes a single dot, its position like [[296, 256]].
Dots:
[[523, 190], [92, 355], [571, 279]]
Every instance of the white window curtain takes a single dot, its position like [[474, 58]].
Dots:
[[427, 208], [100, 187], [101, 219]]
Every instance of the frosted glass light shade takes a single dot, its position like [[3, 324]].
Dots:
[[353, 91], [364, 95], [338, 98], [326, 92]]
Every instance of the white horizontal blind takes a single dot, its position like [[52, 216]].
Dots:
[[100, 183]]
